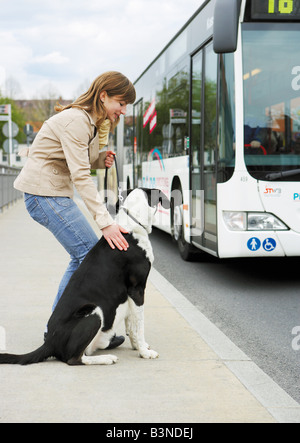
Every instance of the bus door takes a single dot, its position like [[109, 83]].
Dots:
[[137, 143], [203, 130]]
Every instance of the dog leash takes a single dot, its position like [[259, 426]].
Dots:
[[120, 196]]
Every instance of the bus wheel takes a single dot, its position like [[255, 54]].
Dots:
[[186, 250]]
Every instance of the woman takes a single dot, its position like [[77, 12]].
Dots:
[[62, 154]]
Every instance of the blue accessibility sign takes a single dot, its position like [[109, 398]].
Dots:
[[254, 244], [269, 244]]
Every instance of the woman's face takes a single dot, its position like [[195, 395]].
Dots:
[[114, 106]]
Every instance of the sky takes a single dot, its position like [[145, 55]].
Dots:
[[58, 47]]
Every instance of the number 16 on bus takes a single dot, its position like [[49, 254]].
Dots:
[[282, 6]]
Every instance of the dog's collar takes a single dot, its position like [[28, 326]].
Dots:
[[133, 218]]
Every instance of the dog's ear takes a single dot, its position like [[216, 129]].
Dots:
[[156, 196], [148, 193]]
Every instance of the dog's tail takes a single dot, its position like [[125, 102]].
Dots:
[[36, 356]]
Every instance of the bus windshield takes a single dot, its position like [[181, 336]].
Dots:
[[271, 77]]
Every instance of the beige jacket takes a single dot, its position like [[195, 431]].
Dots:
[[62, 154]]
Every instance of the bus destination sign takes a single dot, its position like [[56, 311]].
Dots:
[[275, 10]]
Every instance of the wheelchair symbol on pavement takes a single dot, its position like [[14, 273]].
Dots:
[[269, 244]]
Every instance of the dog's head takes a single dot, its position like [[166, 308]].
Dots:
[[141, 203]]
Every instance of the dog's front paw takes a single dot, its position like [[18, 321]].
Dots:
[[148, 353]]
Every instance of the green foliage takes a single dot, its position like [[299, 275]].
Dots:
[[18, 118]]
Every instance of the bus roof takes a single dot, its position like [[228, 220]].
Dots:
[[174, 38]]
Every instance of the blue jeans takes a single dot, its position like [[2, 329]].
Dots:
[[69, 226]]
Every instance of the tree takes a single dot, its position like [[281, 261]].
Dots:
[[18, 117]]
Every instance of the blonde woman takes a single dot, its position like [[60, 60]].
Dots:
[[62, 154]]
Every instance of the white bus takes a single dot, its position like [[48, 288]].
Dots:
[[217, 120]]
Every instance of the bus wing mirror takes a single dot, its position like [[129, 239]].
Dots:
[[226, 20]]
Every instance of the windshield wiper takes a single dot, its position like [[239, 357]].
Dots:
[[276, 175]]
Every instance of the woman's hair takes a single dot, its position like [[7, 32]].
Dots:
[[115, 84]]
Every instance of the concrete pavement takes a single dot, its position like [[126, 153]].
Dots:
[[199, 377]]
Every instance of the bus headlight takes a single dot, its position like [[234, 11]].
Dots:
[[235, 221], [253, 221], [264, 222]]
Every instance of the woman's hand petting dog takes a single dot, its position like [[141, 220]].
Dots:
[[113, 236]]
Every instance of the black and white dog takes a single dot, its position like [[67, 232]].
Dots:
[[107, 287]]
